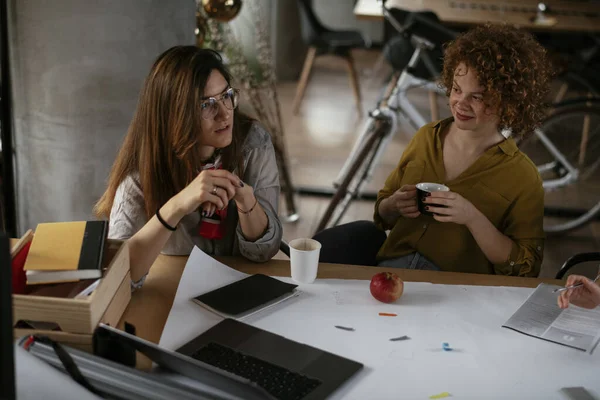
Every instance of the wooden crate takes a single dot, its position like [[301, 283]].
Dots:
[[111, 317], [79, 316]]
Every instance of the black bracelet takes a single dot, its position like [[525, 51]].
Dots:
[[162, 221], [251, 208]]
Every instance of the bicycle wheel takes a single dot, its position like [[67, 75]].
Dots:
[[349, 188], [572, 85], [574, 129]]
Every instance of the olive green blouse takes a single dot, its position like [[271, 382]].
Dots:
[[503, 184]]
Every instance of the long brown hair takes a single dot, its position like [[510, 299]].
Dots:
[[162, 140]]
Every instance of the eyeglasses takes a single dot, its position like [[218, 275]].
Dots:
[[210, 106]]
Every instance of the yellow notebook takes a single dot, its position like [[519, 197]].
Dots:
[[58, 248]]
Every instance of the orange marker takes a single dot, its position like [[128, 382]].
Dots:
[[384, 314]]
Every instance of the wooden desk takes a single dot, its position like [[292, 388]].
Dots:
[[150, 306], [571, 16]]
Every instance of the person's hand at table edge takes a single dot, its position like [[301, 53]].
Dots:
[[586, 296]]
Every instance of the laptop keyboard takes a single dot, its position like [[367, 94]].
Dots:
[[279, 382]]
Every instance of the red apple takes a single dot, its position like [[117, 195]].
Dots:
[[386, 287]]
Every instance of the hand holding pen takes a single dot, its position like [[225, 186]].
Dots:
[[580, 291]]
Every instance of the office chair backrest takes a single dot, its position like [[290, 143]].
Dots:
[[428, 25], [311, 27], [399, 49], [577, 259], [7, 370], [354, 243], [284, 247]]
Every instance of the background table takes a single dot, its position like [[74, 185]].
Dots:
[[573, 16]]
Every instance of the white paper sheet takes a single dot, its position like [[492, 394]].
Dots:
[[488, 361], [541, 317], [186, 320]]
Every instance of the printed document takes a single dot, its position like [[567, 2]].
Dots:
[[541, 317]]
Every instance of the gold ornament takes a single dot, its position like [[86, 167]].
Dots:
[[222, 10]]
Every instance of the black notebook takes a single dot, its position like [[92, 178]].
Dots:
[[244, 297]]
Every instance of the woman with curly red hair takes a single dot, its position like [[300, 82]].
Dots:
[[491, 220]]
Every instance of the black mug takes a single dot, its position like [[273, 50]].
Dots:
[[425, 188]]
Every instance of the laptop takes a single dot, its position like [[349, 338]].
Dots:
[[248, 362], [7, 368], [216, 383], [284, 368]]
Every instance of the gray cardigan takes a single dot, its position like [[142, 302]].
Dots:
[[127, 215]]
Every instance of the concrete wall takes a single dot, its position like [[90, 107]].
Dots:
[[77, 69]]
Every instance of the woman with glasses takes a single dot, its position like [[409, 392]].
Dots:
[[193, 170]]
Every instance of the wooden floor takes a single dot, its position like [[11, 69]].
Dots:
[[320, 137]]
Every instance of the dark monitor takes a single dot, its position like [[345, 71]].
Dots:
[[7, 361]]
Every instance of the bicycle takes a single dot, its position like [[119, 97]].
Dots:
[[565, 148], [395, 108], [383, 122]]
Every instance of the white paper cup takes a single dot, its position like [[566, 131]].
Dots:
[[304, 259]]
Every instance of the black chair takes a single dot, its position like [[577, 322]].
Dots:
[[399, 49], [577, 259], [322, 40], [284, 247], [355, 243]]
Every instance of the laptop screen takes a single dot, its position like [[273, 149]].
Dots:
[[221, 383], [7, 371]]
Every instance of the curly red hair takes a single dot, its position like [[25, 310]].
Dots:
[[511, 66]]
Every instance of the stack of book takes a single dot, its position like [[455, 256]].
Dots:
[[66, 252], [67, 278]]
